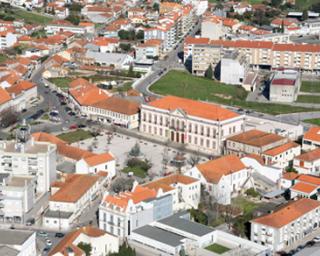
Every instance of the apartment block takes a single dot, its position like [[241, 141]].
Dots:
[[308, 163], [288, 225], [30, 158], [198, 125]]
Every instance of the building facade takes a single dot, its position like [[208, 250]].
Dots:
[[198, 125]]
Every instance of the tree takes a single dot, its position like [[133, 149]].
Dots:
[[209, 72], [140, 35], [194, 160], [282, 27], [123, 34], [124, 250], [199, 216], [74, 19], [87, 248], [121, 184], [130, 71], [305, 15], [135, 151], [8, 117], [276, 3], [125, 47], [156, 7]]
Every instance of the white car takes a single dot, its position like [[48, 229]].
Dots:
[[49, 242], [316, 239], [42, 233]]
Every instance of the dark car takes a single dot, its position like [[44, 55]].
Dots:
[[67, 109], [59, 235], [82, 126]]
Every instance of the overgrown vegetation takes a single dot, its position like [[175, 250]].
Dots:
[[75, 136], [124, 250], [138, 167]]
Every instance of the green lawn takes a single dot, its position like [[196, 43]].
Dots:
[[217, 248], [305, 4], [137, 171], [31, 17], [61, 82], [310, 86], [308, 99], [183, 84], [125, 87], [315, 121], [3, 58], [75, 136], [246, 205]]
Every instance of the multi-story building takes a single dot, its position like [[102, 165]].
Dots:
[[203, 56], [305, 186], [63, 25], [198, 125], [102, 243], [253, 142], [288, 225], [273, 55], [282, 156], [120, 214], [151, 49], [17, 242], [17, 197], [69, 197], [223, 178], [285, 86], [185, 190], [308, 163], [234, 68], [26, 157], [311, 139], [7, 39], [212, 28], [189, 43]]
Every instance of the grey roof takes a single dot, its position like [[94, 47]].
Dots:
[[8, 251], [274, 193], [57, 214], [160, 235], [14, 237], [109, 58], [179, 221], [66, 167]]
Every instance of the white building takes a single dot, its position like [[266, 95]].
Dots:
[[311, 139], [288, 225], [97, 163], [30, 158], [308, 163], [177, 234], [242, 7], [223, 178], [17, 242], [115, 111], [285, 86], [102, 243], [283, 155], [212, 28], [69, 197], [120, 214], [234, 68], [198, 125], [7, 39], [118, 60], [185, 191], [305, 186], [17, 197]]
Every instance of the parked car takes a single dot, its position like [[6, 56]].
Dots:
[[43, 233], [30, 221], [73, 126], [59, 235], [48, 242]]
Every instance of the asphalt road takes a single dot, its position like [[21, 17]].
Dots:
[[161, 67]]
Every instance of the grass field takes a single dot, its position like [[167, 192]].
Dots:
[[246, 206], [137, 171], [75, 136], [31, 17], [308, 99], [315, 121], [183, 84], [3, 58], [217, 248], [61, 82], [310, 86], [305, 4]]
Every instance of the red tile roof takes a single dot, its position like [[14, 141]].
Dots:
[[214, 170], [310, 156], [4, 96], [304, 187], [313, 134], [283, 81], [98, 159], [289, 213], [281, 149], [194, 108]]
